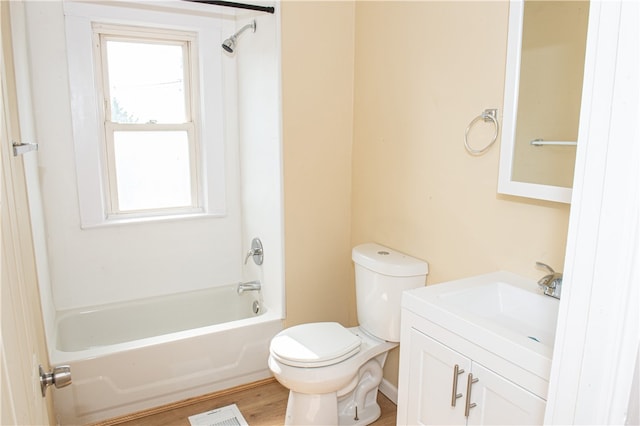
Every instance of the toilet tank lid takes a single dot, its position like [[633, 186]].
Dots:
[[386, 261]]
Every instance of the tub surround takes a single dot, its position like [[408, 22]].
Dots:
[[111, 264]]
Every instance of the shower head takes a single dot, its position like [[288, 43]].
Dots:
[[230, 44]]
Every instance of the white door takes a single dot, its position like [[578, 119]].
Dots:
[[437, 377], [23, 346], [501, 402]]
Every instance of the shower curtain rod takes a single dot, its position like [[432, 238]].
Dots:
[[267, 9]]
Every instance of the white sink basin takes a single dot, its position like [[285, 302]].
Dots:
[[501, 312], [521, 310]]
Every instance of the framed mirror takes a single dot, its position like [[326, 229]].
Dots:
[[543, 91]]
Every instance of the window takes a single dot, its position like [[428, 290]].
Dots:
[[150, 142], [148, 113]]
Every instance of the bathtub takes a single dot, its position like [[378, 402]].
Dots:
[[137, 355]]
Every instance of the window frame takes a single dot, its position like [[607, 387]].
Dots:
[[208, 108], [102, 34]]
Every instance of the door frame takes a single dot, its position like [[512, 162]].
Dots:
[[598, 331]]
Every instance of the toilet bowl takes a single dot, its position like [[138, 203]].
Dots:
[[333, 372], [329, 386]]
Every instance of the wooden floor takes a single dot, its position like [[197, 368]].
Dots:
[[262, 404]]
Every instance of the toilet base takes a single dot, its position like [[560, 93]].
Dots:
[[305, 409], [370, 415], [358, 406], [329, 395]]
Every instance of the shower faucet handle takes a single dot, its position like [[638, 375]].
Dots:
[[256, 252]]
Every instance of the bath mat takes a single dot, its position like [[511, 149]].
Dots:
[[224, 416]]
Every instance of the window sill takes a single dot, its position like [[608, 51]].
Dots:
[[133, 220]]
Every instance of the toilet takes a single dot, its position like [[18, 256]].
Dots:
[[333, 372]]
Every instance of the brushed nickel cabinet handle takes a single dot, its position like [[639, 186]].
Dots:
[[469, 405], [454, 388]]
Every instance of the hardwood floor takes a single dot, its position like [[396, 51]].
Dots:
[[262, 404]]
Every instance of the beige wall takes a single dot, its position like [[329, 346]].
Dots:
[[317, 74], [422, 72]]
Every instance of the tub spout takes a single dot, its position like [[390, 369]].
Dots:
[[249, 286]]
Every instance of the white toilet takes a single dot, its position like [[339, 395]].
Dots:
[[333, 372]]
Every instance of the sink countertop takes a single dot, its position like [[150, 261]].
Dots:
[[502, 312]]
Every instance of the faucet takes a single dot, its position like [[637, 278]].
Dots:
[[550, 284], [249, 286]]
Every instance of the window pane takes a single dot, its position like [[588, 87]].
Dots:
[[152, 170], [146, 82]]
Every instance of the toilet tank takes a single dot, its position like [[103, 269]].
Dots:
[[382, 274]]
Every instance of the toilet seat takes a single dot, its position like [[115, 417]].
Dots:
[[314, 345]]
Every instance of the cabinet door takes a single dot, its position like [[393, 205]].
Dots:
[[432, 382], [500, 401]]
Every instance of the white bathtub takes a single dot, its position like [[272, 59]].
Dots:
[[137, 355]]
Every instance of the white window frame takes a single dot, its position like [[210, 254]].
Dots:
[[102, 33], [88, 109]]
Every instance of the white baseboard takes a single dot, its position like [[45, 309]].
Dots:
[[389, 390]]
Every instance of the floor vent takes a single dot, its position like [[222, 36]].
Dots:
[[224, 416]]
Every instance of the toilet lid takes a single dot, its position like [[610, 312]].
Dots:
[[314, 345]]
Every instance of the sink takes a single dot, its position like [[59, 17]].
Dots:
[[501, 312], [521, 310]]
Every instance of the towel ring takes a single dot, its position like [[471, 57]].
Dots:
[[487, 115]]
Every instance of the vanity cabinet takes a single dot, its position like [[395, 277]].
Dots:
[[441, 385]]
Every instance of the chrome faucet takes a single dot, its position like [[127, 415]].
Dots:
[[550, 284], [249, 286], [256, 252]]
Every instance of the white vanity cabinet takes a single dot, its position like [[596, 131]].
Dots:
[[439, 396], [475, 351]]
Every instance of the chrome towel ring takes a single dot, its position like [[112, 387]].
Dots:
[[487, 115]]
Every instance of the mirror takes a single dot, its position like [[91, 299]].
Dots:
[[543, 90]]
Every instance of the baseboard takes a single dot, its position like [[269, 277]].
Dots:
[[389, 390]]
